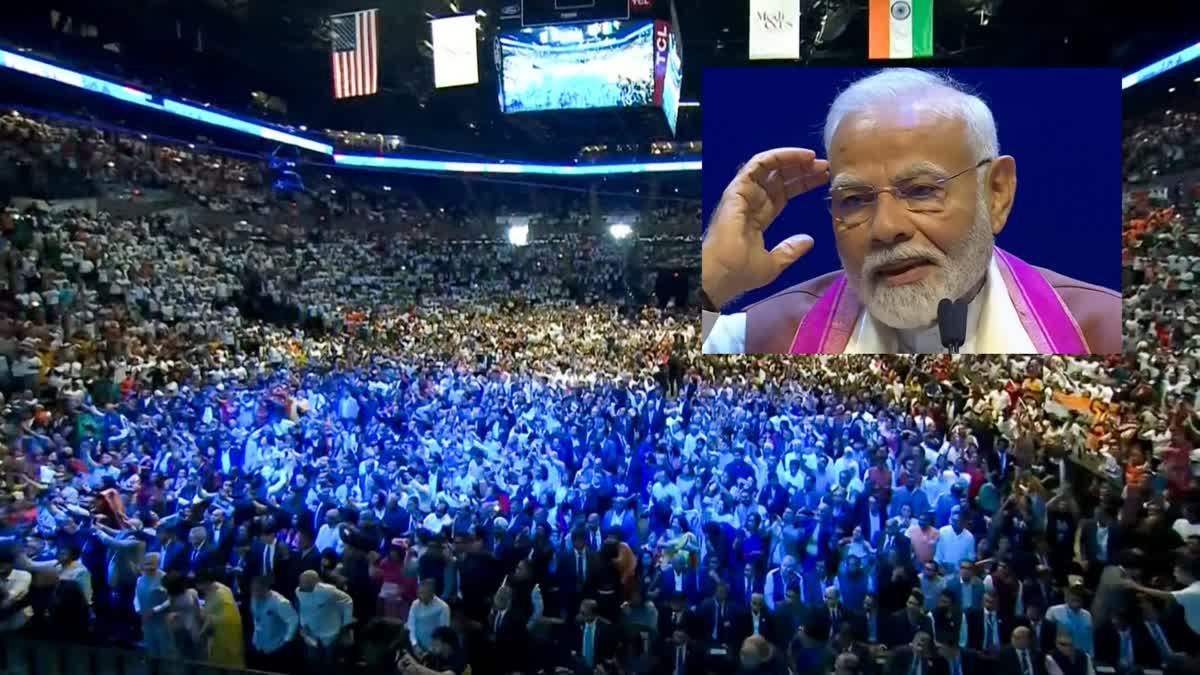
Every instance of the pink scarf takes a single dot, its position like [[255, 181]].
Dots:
[[827, 327]]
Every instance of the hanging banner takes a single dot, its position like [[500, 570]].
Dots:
[[774, 29], [455, 58]]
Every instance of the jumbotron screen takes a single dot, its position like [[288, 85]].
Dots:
[[607, 64]]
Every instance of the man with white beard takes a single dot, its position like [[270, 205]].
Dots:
[[932, 147]]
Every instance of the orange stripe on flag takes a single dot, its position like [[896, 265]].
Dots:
[[879, 29]]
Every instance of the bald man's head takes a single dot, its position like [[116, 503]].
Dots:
[[309, 580]]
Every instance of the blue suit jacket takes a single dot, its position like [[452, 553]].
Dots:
[[691, 586]]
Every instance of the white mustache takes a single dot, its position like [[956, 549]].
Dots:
[[875, 261]]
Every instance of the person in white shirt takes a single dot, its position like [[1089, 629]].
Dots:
[[426, 614], [664, 491], [326, 614], [1187, 574], [329, 536], [15, 611], [68, 568], [275, 625], [954, 544]]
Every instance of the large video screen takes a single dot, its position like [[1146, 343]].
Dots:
[[672, 83], [606, 64]]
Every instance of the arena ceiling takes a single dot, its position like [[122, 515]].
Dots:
[[222, 50]]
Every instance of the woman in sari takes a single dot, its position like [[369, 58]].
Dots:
[[222, 626]]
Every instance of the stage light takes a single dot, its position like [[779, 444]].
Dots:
[[518, 235], [620, 230]]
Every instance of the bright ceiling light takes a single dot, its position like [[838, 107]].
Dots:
[[518, 235], [620, 230]]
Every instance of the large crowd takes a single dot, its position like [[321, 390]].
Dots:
[[292, 450]]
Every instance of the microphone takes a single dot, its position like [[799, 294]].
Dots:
[[952, 323]]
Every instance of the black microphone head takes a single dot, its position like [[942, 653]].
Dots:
[[952, 323]]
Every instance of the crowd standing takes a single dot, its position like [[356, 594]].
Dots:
[[299, 453]]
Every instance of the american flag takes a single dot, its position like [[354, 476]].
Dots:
[[355, 53]]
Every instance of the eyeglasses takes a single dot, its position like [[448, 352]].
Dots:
[[853, 206]]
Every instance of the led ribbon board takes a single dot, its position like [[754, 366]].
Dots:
[[121, 92], [373, 162], [1159, 67], [203, 115]]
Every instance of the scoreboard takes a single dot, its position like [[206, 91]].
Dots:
[[543, 12]]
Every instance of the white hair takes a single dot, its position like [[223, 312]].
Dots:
[[938, 93]]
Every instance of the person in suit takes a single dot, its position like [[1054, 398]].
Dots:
[[200, 555], [1100, 538], [680, 656], [809, 652], [744, 588], [869, 624], [956, 660], [676, 615], [595, 639], [1152, 637], [1117, 645], [1040, 590], [269, 557], [221, 533], [716, 617], [679, 579], [893, 540], [621, 519], [831, 612], [966, 587], [847, 642], [1041, 631], [874, 521], [916, 658], [1021, 656], [1067, 659], [507, 633], [307, 557], [754, 621], [174, 556], [906, 623], [577, 567], [987, 628]]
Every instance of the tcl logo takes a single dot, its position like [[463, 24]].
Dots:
[[641, 4], [662, 34]]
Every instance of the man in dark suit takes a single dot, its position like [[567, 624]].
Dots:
[[174, 556], [308, 557], [746, 586], [221, 533], [1041, 631], [756, 620], [269, 557], [831, 613], [957, 661], [679, 656], [678, 579], [716, 616], [674, 614], [1099, 540], [1117, 645], [1022, 657], [595, 639], [1040, 590], [200, 554], [916, 658], [873, 520], [621, 520], [507, 632], [892, 539], [577, 567], [966, 587], [987, 630], [906, 623]]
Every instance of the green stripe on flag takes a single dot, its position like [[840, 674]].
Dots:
[[922, 28]]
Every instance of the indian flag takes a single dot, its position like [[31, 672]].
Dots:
[[900, 29]]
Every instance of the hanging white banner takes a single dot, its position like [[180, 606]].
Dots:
[[455, 57], [774, 29]]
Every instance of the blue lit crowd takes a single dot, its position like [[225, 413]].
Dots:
[[226, 448]]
